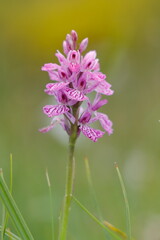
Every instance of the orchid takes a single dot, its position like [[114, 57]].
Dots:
[[74, 78]]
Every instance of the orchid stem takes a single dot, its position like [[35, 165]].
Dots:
[[69, 182]]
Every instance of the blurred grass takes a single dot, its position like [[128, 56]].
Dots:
[[126, 35]]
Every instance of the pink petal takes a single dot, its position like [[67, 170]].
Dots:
[[62, 60], [69, 41], [47, 129], [85, 117], [105, 122], [49, 67], [99, 104], [91, 133], [73, 58], [55, 110], [89, 61], [66, 47], [70, 117], [75, 94], [83, 45], [51, 88], [104, 88], [54, 76], [74, 35], [61, 97], [90, 55]]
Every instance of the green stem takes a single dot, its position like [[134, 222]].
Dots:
[[69, 180]]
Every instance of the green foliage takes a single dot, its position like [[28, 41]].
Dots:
[[13, 211], [128, 221]]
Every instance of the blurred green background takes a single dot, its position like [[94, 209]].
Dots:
[[126, 36]]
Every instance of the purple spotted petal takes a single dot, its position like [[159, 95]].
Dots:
[[55, 110], [75, 94], [61, 97], [51, 88], [73, 58], [91, 133], [105, 122], [89, 61]]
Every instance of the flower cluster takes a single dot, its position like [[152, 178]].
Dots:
[[73, 79]]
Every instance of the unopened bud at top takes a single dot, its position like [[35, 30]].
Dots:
[[74, 35], [83, 45]]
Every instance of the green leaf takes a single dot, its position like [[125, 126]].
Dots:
[[10, 234], [128, 221], [93, 194], [13, 210], [96, 219], [51, 204], [5, 215], [115, 229]]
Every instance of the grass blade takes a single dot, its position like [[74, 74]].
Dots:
[[10, 234], [96, 219], [91, 187], [13, 211], [51, 203], [5, 215], [128, 221], [93, 193], [114, 229], [3, 222]]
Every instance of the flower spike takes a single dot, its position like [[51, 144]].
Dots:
[[75, 77]]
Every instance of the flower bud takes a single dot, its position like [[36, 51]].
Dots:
[[83, 45]]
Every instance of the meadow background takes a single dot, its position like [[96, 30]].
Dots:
[[126, 35]]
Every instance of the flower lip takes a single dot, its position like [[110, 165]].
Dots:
[[52, 88], [55, 110], [91, 133], [74, 94]]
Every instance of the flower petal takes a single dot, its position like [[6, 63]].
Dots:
[[70, 117], [99, 104], [50, 67], [85, 117], [51, 88], [62, 60], [105, 122], [48, 128], [89, 61], [75, 94], [104, 88], [73, 58], [91, 133], [83, 45], [55, 110]]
